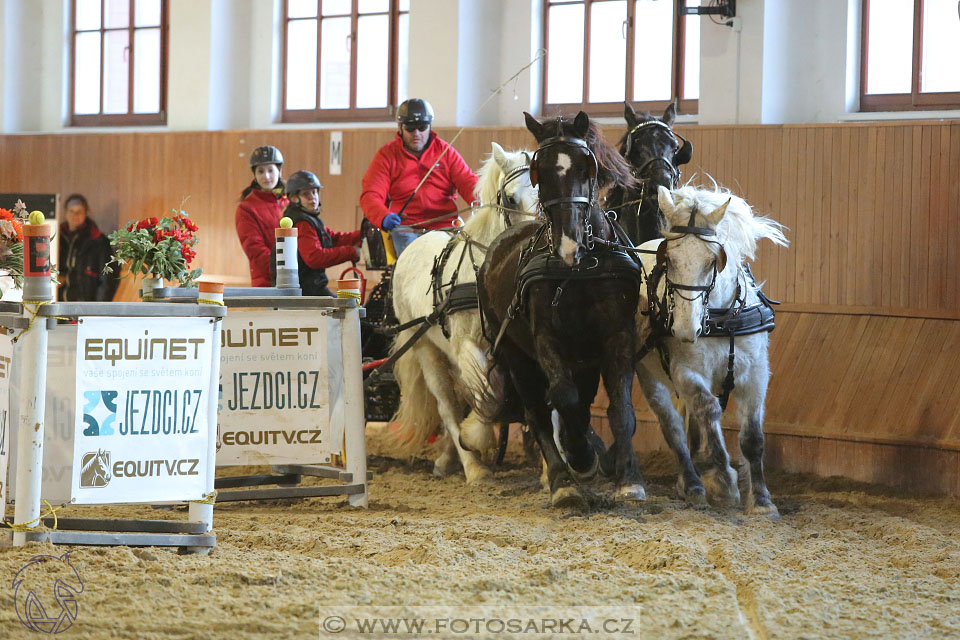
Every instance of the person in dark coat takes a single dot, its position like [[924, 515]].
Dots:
[[318, 247], [84, 251]]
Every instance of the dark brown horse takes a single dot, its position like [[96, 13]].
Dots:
[[656, 153], [560, 309]]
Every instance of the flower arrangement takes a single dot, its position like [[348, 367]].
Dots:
[[11, 242], [162, 247]]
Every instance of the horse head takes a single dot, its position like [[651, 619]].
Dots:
[[515, 191], [692, 258], [565, 169], [654, 148]]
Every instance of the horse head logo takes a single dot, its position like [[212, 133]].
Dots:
[[47, 581], [95, 469]]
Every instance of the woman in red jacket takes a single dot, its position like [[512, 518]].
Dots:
[[259, 212]]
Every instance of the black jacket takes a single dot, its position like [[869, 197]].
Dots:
[[313, 282], [83, 255]]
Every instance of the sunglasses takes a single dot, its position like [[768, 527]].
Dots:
[[410, 128]]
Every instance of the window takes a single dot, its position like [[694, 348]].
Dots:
[[119, 70], [909, 53], [602, 52], [344, 59]]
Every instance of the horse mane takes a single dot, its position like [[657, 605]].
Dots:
[[614, 170], [487, 221], [90, 463], [740, 229], [489, 178]]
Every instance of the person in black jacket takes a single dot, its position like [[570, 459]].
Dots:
[[317, 246], [84, 251]]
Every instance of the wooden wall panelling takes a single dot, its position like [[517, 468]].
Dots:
[[872, 209]]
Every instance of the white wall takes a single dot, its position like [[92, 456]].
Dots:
[[731, 67], [805, 61], [791, 61]]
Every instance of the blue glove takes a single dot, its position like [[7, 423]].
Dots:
[[390, 221]]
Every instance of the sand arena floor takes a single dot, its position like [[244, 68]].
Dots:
[[845, 561]]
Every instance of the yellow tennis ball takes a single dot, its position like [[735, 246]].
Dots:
[[36, 217], [285, 223]]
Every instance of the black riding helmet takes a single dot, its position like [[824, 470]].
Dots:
[[266, 154], [300, 180], [415, 111]]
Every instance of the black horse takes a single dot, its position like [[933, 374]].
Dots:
[[559, 308], [656, 153]]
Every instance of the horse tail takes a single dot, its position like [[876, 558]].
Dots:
[[417, 416]]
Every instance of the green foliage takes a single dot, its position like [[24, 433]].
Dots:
[[159, 246]]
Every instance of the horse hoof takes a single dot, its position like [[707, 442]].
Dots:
[[721, 487], [478, 474], [763, 507], [588, 475], [632, 492], [696, 496], [567, 498], [445, 465]]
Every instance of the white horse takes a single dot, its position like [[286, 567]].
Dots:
[[708, 236], [443, 378]]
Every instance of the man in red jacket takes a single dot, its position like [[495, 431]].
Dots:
[[390, 196]]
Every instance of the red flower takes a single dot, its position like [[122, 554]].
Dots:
[[190, 225]]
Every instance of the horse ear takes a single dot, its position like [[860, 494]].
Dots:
[[533, 125], [665, 200], [581, 124], [499, 156], [629, 115], [670, 114], [715, 217]]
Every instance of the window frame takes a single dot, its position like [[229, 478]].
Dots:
[[684, 105], [915, 100], [351, 113], [129, 118]]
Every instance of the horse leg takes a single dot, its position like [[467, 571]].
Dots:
[[436, 373], [530, 450], [448, 462], [750, 398], [617, 374], [719, 478], [583, 448], [658, 396], [531, 385]]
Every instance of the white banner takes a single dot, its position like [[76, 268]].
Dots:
[[281, 399], [6, 360], [143, 392], [58, 415], [58, 422]]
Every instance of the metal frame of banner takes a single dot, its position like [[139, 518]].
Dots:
[[193, 535], [353, 478]]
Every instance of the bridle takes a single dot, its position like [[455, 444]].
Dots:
[[662, 308], [588, 202], [504, 200], [683, 145]]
